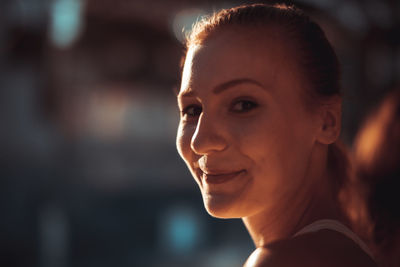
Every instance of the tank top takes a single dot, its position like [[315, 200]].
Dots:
[[337, 226]]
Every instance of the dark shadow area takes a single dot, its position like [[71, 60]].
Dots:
[[89, 173]]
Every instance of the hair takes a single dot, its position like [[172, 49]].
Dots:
[[317, 62], [377, 158], [314, 54]]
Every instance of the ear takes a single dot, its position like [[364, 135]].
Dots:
[[330, 121]]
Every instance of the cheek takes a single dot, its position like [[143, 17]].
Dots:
[[183, 140], [261, 137], [275, 144]]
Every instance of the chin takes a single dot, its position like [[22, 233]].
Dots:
[[223, 207]]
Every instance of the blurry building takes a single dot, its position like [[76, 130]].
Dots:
[[89, 171]]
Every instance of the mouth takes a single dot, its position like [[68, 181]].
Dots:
[[220, 177]]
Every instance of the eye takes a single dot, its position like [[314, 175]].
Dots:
[[241, 106], [191, 111]]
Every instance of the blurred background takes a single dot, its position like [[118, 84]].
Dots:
[[89, 173]]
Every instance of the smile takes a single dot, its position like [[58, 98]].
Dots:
[[219, 178]]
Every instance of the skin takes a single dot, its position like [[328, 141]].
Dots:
[[254, 148]]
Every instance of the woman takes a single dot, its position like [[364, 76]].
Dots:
[[377, 158], [260, 114]]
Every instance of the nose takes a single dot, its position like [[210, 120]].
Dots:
[[208, 136]]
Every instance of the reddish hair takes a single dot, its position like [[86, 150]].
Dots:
[[315, 56], [377, 158], [317, 61]]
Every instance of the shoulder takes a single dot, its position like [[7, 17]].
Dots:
[[323, 248]]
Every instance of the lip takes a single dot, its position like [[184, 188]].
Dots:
[[220, 177]]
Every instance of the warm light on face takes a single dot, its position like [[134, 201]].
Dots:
[[187, 69], [244, 132]]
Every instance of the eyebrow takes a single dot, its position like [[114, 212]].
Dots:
[[232, 83], [225, 86]]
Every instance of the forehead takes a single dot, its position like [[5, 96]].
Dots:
[[238, 53]]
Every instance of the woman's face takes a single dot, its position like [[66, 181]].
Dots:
[[244, 133]]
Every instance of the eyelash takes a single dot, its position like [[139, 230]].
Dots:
[[250, 105], [185, 111], [247, 106]]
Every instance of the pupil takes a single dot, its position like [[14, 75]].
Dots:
[[246, 105]]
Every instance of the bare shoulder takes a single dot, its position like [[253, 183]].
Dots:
[[324, 248]]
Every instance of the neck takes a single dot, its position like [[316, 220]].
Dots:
[[313, 202]]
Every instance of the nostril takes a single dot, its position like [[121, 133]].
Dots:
[[207, 143], [209, 136]]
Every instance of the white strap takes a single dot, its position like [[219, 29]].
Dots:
[[337, 226]]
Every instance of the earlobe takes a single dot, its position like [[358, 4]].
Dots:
[[329, 129]]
